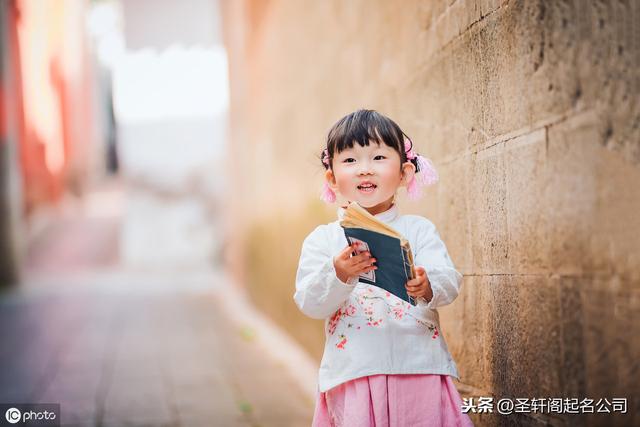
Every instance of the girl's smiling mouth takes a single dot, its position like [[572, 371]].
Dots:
[[367, 187]]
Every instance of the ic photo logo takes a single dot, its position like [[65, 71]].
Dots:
[[13, 415], [33, 414]]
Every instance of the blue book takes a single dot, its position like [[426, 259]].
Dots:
[[390, 249]]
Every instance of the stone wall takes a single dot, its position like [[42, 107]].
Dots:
[[529, 110]]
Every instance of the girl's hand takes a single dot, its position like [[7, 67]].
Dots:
[[348, 265], [420, 286]]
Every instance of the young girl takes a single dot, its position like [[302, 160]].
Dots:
[[385, 361]]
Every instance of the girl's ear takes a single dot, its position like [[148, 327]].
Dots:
[[331, 179], [408, 172]]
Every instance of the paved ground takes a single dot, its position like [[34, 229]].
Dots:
[[119, 347]]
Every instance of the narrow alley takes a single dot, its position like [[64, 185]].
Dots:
[[118, 347]]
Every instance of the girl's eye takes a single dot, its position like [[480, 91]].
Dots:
[[379, 157], [349, 160]]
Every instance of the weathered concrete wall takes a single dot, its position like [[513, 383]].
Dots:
[[530, 111]]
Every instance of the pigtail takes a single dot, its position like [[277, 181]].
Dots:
[[327, 195], [425, 175]]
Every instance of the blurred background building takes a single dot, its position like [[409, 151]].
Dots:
[[114, 179], [49, 123], [174, 146], [88, 97], [170, 98]]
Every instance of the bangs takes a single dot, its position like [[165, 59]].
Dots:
[[363, 127]]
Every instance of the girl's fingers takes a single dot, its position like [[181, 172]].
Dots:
[[364, 262], [415, 282], [346, 252], [359, 265], [361, 257], [415, 290]]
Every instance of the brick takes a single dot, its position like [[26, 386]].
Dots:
[[616, 214], [453, 195], [491, 351], [488, 214], [572, 161], [472, 350], [527, 183], [590, 217], [527, 337], [572, 336], [599, 338]]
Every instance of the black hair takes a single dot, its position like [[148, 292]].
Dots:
[[364, 127]]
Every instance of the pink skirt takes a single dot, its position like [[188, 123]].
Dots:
[[392, 401]]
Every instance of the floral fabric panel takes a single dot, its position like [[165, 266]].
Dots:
[[366, 308]]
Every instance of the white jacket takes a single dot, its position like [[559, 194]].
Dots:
[[368, 330]]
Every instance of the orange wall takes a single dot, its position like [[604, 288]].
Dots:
[[55, 71]]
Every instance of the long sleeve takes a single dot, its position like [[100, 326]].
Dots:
[[369, 331], [319, 292], [433, 256]]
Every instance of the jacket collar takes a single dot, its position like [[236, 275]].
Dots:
[[386, 216]]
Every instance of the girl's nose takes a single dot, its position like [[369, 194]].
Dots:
[[365, 169]]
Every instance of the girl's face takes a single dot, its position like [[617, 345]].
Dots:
[[369, 175]]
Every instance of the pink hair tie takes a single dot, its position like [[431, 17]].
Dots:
[[325, 157], [327, 195], [426, 174]]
